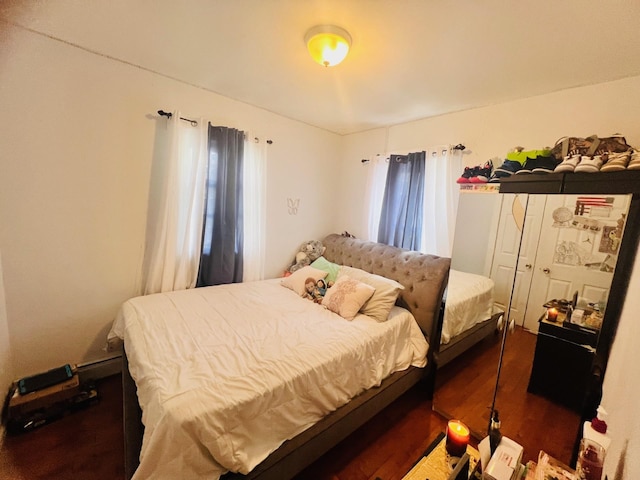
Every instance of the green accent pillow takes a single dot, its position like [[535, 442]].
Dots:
[[332, 269]]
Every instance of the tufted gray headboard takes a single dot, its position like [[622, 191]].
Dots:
[[423, 276]]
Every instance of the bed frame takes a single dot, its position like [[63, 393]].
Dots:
[[467, 339], [424, 278]]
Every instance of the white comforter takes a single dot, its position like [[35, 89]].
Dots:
[[469, 301], [226, 374]]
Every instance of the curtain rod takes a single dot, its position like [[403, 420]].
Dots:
[[169, 115], [194, 123], [459, 146]]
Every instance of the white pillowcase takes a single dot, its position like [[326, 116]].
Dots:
[[384, 297], [346, 296], [297, 279]]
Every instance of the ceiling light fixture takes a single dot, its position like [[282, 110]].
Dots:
[[328, 44]]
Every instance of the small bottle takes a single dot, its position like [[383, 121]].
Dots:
[[596, 429], [494, 432]]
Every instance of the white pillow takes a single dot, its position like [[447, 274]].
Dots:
[[384, 297], [297, 279], [346, 296]]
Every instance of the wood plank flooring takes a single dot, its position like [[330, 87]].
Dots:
[[531, 420], [88, 444]]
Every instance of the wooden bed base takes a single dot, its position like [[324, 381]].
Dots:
[[466, 340], [296, 454]]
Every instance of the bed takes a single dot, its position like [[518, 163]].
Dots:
[[469, 314], [171, 359]]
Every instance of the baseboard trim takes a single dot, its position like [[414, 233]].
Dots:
[[103, 368]]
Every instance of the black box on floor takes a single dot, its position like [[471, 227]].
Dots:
[[27, 416]]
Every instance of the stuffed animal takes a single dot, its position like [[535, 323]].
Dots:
[[308, 252], [322, 287], [313, 291]]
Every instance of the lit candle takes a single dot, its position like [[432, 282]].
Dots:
[[457, 438], [552, 314]]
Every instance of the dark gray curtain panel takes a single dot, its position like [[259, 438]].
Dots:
[[222, 237], [403, 202]]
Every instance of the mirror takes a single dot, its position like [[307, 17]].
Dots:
[[569, 243], [483, 266]]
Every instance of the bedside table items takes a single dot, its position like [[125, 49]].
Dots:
[[593, 448], [590, 462], [494, 432], [596, 429], [505, 462], [550, 468], [437, 464], [461, 469], [589, 317], [457, 438], [575, 314], [552, 314], [557, 310]]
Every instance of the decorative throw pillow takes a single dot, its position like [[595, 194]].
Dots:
[[347, 296], [296, 281], [385, 296], [331, 268]]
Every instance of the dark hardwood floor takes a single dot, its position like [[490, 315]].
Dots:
[[88, 444], [531, 420]]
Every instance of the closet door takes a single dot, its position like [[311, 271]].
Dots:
[[514, 251]]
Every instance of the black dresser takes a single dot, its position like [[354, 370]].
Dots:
[[562, 363]]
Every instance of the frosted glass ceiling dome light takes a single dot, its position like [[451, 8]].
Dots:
[[328, 44]]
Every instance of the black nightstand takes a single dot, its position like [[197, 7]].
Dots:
[[562, 363]]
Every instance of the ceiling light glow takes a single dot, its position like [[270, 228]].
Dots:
[[328, 45]]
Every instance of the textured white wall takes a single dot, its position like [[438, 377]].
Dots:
[[77, 135], [622, 389]]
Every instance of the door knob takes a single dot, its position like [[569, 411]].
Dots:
[[528, 266], [546, 270]]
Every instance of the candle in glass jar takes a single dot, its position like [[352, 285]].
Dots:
[[552, 314], [457, 438]]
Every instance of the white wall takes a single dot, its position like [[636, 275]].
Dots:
[[492, 131], [77, 135], [621, 388], [532, 123]]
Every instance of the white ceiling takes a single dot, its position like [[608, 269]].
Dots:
[[410, 59]]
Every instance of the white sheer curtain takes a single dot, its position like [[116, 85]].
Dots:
[[376, 177], [441, 192], [254, 199], [176, 206]]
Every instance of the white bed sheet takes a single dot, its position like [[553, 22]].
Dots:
[[226, 374], [469, 301]]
